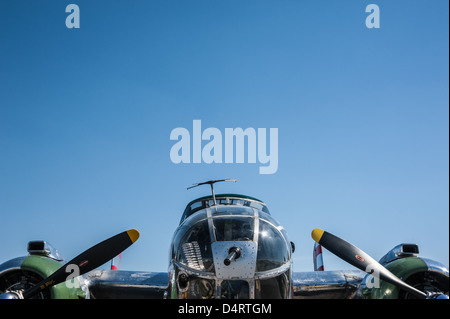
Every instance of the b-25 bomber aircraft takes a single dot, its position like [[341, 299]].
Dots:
[[226, 246]]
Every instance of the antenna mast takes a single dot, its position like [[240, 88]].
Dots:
[[211, 183]]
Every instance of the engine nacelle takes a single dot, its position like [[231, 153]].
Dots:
[[19, 274], [403, 261]]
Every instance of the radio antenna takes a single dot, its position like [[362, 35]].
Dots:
[[211, 183]]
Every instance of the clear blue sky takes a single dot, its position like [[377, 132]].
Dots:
[[86, 115]]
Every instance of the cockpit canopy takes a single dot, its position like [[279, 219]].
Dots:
[[223, 199]]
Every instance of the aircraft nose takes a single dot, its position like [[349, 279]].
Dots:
[[231, 252]]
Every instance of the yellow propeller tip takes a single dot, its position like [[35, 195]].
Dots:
[[133, 234], [316, 234]]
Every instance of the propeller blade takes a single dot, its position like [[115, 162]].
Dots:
[[356, 257], [88, 260]]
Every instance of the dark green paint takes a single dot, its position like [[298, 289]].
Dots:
[[44, 267], [402, 268]]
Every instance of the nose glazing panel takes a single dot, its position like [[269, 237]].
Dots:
[[242, 267]]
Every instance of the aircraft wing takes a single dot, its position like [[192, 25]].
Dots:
[[121, 284], [340, 284], [111, 284]]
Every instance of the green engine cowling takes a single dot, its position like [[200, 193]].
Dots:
[[44, 267], [424, 274], [21, 273]]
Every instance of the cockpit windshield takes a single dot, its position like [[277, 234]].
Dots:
[[233, 229]]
